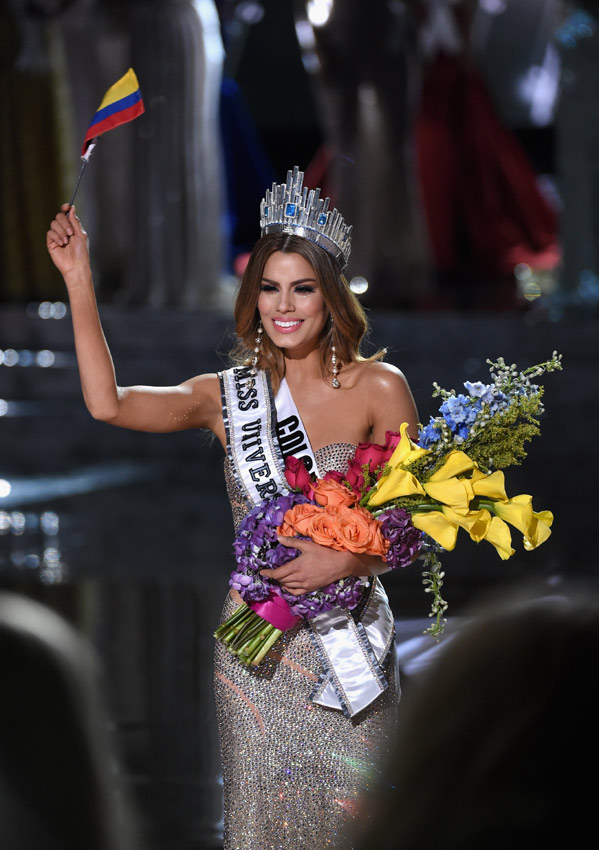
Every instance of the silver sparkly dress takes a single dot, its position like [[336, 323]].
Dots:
[[293, 771]]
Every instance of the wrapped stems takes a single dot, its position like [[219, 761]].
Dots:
[[247, 635]]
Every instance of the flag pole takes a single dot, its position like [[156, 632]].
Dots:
[[84, 160]]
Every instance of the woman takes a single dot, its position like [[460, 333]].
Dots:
[[298, 734]]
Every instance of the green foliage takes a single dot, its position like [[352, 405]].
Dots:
[[501, 442]]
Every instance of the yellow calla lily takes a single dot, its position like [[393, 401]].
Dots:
[[445, 486], [517, 511], [398, 483], [499, 535], [455, 492], [437, 526], [476, 523], [535, 527], [443, 526], [539, 530], [406, 451], [457, 463], [489, 486], [453, 489]]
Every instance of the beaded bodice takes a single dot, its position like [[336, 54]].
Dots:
[[335, 456]]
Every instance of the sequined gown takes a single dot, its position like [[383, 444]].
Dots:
[[293, 771]]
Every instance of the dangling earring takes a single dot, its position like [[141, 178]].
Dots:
[[334, 368], [257, 352]]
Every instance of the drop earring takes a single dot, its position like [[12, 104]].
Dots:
[[257, 352], [334, 367]]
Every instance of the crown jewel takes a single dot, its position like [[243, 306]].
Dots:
[[289, 208]]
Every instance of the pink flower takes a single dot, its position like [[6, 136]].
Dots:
[[333, 475], [297, 476], [371, 455], [392, 439], [375, 455], [355, 477]]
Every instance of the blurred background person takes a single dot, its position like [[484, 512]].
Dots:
[[35, 135], [495, 739], [364, 67], [484, 208], [58, 777], [159, 180]]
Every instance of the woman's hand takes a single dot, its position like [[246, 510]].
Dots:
[[318, 566], [67, 243]]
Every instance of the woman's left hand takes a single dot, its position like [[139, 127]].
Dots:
[[314, 568]]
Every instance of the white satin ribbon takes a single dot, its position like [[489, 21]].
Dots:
[[352, 653]]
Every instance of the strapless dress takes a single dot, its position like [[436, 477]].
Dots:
[[293, 771]]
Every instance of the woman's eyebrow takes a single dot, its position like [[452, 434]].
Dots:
[[293, 282]]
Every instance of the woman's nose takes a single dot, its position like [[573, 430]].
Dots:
[[285, 301]]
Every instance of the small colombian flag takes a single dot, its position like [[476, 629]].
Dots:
[[122, 103]]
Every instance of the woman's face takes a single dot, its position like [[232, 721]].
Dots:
[[291, 305]]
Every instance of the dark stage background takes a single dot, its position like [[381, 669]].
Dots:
[[478, 238]]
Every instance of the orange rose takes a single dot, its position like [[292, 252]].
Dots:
[[333, 493], [323, 530], [358, 531], [297, 520]]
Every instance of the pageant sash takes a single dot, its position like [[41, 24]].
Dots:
[[261, 433], [291, 434], [250, 423]]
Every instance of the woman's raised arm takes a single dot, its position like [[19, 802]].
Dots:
[[192, 404]]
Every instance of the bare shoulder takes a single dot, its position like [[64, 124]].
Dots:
[[388, 398], [382, 378]]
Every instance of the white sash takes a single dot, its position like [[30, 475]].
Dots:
[[352, 653], [291, 433], [250, 423]]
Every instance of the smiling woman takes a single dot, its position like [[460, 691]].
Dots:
[[292, 309], [296, 751], [284, 264]]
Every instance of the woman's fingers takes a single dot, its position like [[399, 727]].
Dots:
[[293, 542], [279, 573], [57, 235], [67, 242], [63, 226]]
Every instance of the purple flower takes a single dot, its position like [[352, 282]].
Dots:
[[256, 548], [405, 540]]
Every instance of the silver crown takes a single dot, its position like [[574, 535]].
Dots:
[[289, 208]]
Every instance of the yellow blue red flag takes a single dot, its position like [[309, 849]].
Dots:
[[122, 103]]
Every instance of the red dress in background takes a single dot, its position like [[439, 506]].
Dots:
[[483, 206]]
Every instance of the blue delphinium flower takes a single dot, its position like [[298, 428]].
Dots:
[[460, 413], [488, 394], [430, 434]]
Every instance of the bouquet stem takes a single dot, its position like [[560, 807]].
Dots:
[[247, 635]]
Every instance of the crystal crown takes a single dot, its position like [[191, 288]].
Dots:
[[289, 208]]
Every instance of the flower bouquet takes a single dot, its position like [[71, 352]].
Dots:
[[399, 501]]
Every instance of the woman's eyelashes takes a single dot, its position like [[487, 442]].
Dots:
[[300, 289]]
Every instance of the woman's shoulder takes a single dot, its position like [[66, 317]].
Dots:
[[379, 376], [386, 396]]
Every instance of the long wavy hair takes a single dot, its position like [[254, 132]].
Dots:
[[345, 331]]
